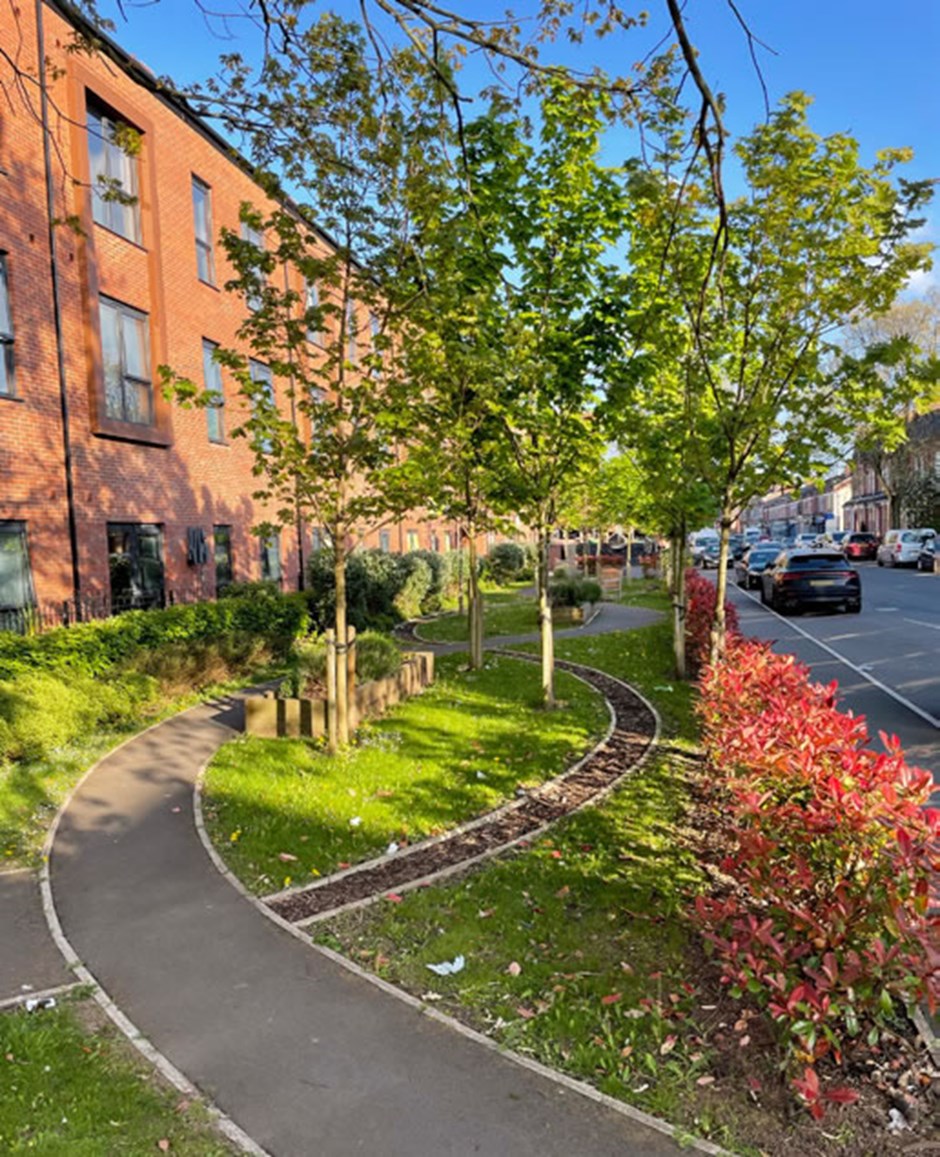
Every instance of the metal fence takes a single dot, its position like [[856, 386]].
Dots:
[[89, 608]]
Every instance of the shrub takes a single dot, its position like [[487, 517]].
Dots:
[[573, 592], [377, 657], [94, 648], [700, 599], [40, 713], [829, 923], [181, 668], [415, 584], [505, 563]]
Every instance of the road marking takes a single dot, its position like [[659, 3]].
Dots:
[[884, 610], [925, 715], [921, 623]]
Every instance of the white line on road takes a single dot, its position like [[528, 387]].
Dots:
[[932, 720], [921, 623]]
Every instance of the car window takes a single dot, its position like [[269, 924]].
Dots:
[[815, 562]]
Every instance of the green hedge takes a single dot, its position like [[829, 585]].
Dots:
[[94, 648]]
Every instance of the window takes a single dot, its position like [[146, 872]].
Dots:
[[16, 582], [212, 376], [254, 237], [375, 327], [135, 565], [222, 540], [435, 542], [202, 222], [113, 171], [317, 539], [7, 382], [352, 346], [385, 541], [125, 354], [315, 323], [261, 375], [271, 559], [413, 540]]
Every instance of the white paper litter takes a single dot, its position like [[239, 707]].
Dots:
[[896, 1121], [40, 1003], [355, 821], [448, 967], [391, 849], [662, 687]]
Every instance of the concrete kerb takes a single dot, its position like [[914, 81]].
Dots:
[[38, 994], [161, 1063], [580, 1087]]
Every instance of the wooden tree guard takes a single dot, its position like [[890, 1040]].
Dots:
[[332, 729]]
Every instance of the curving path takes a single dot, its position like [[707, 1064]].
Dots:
[[307, 1055]]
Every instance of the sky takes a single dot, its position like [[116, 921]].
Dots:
[[872, 67]]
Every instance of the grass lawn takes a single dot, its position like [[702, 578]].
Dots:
[[285, 811], [646, 592], [576, 950], [71, 1085], [505, 612]]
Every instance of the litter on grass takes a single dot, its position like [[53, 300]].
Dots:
[[391, 849], [38, 1004], [448, 967], [355, 821]]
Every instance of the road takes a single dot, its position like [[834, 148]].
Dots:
[[886, 660]]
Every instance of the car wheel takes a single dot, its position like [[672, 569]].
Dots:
[[880, 563], [854, 608]]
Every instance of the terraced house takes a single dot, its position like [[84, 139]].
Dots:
[[109, 496]]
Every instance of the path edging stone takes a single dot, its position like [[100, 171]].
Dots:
[[423, 1008], [174, 1076]]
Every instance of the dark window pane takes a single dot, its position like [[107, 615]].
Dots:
[[135, 565], [16, 587], [222, 538]]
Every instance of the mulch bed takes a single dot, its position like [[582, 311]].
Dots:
[[633, 734]]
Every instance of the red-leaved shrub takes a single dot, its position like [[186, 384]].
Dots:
[[829, 923], [700, 598]]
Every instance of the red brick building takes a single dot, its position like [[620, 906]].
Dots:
[[107, 492]]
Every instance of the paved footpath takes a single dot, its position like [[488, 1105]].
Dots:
[[307, 1057]]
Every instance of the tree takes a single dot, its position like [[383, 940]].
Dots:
[[349, 143], [561, 211], [751, 302]]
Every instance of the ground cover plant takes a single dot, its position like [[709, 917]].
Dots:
[[285, 811], [70, 1085], [579, 951], [69, 696]]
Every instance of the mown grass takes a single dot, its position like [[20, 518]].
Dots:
[[505, 612], [577, 952], [69, 1087], [285, 811]]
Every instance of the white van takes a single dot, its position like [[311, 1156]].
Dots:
[[901, 547]]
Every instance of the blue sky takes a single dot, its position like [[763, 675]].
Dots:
[[873, 68]]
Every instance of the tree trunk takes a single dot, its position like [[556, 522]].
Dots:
[[719, 632], [342, 688], [626, 570], [474, 603], [546, 637], [677, 551]]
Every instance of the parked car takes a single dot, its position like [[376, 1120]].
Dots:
[[804, 541], [747, 570], [860, 544], [706, 556], [902, 547], [737, 545], [811, 578], [928, 555]]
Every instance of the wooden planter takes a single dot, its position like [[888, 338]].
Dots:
[[272, 718], [571, 615]]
